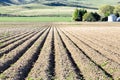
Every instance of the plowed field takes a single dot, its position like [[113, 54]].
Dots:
[[59, 51]]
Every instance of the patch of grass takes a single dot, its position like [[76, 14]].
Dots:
[[2, 76], [30, 79], [35, 19], [34, 79], [104, 64], [112, 70], [70, 76], [1, 44]]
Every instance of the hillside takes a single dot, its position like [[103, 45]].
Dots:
[[16, 1], [72, 3], [50, 7]]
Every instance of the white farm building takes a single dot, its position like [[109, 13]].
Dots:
[[118, 19], [112, 18]]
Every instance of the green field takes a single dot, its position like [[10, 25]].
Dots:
[[35, 19]]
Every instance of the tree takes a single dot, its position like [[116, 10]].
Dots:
[[106, 10], [96, 16], [117, 10], [104, 19], [81, 13], [78, 14], [89, 17]]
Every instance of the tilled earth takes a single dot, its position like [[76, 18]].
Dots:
[[59, 51]]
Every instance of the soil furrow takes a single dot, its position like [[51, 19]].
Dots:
[[7, 60], [16, 44], [52, 56], [77, 70], [12, 37], [14, 40], [91, 67], [65, 67], [110, 66], [22, 67], [113, 52], [44, 66], [98, 49], [115, 48]]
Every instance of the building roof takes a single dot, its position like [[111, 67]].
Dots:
[[112, 15], [118, 19]]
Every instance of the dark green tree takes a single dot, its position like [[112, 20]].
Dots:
[[89, 17], [81, 13], [78, 14], [104, 18], [117, 14], [96, 16]]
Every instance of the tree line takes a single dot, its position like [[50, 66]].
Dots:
[[102, 14]]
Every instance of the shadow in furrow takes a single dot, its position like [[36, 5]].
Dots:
[[14, 40], [115, 53], [15, 46], [13, 37], [93, 48], [77, 70], [26, 69], [52, 58], [106, 73], [8, 63]]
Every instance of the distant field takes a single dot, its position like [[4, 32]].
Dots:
[[35, 19], [39, 10], [31, 10]]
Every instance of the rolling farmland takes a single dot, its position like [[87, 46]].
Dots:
[[59, 51]]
